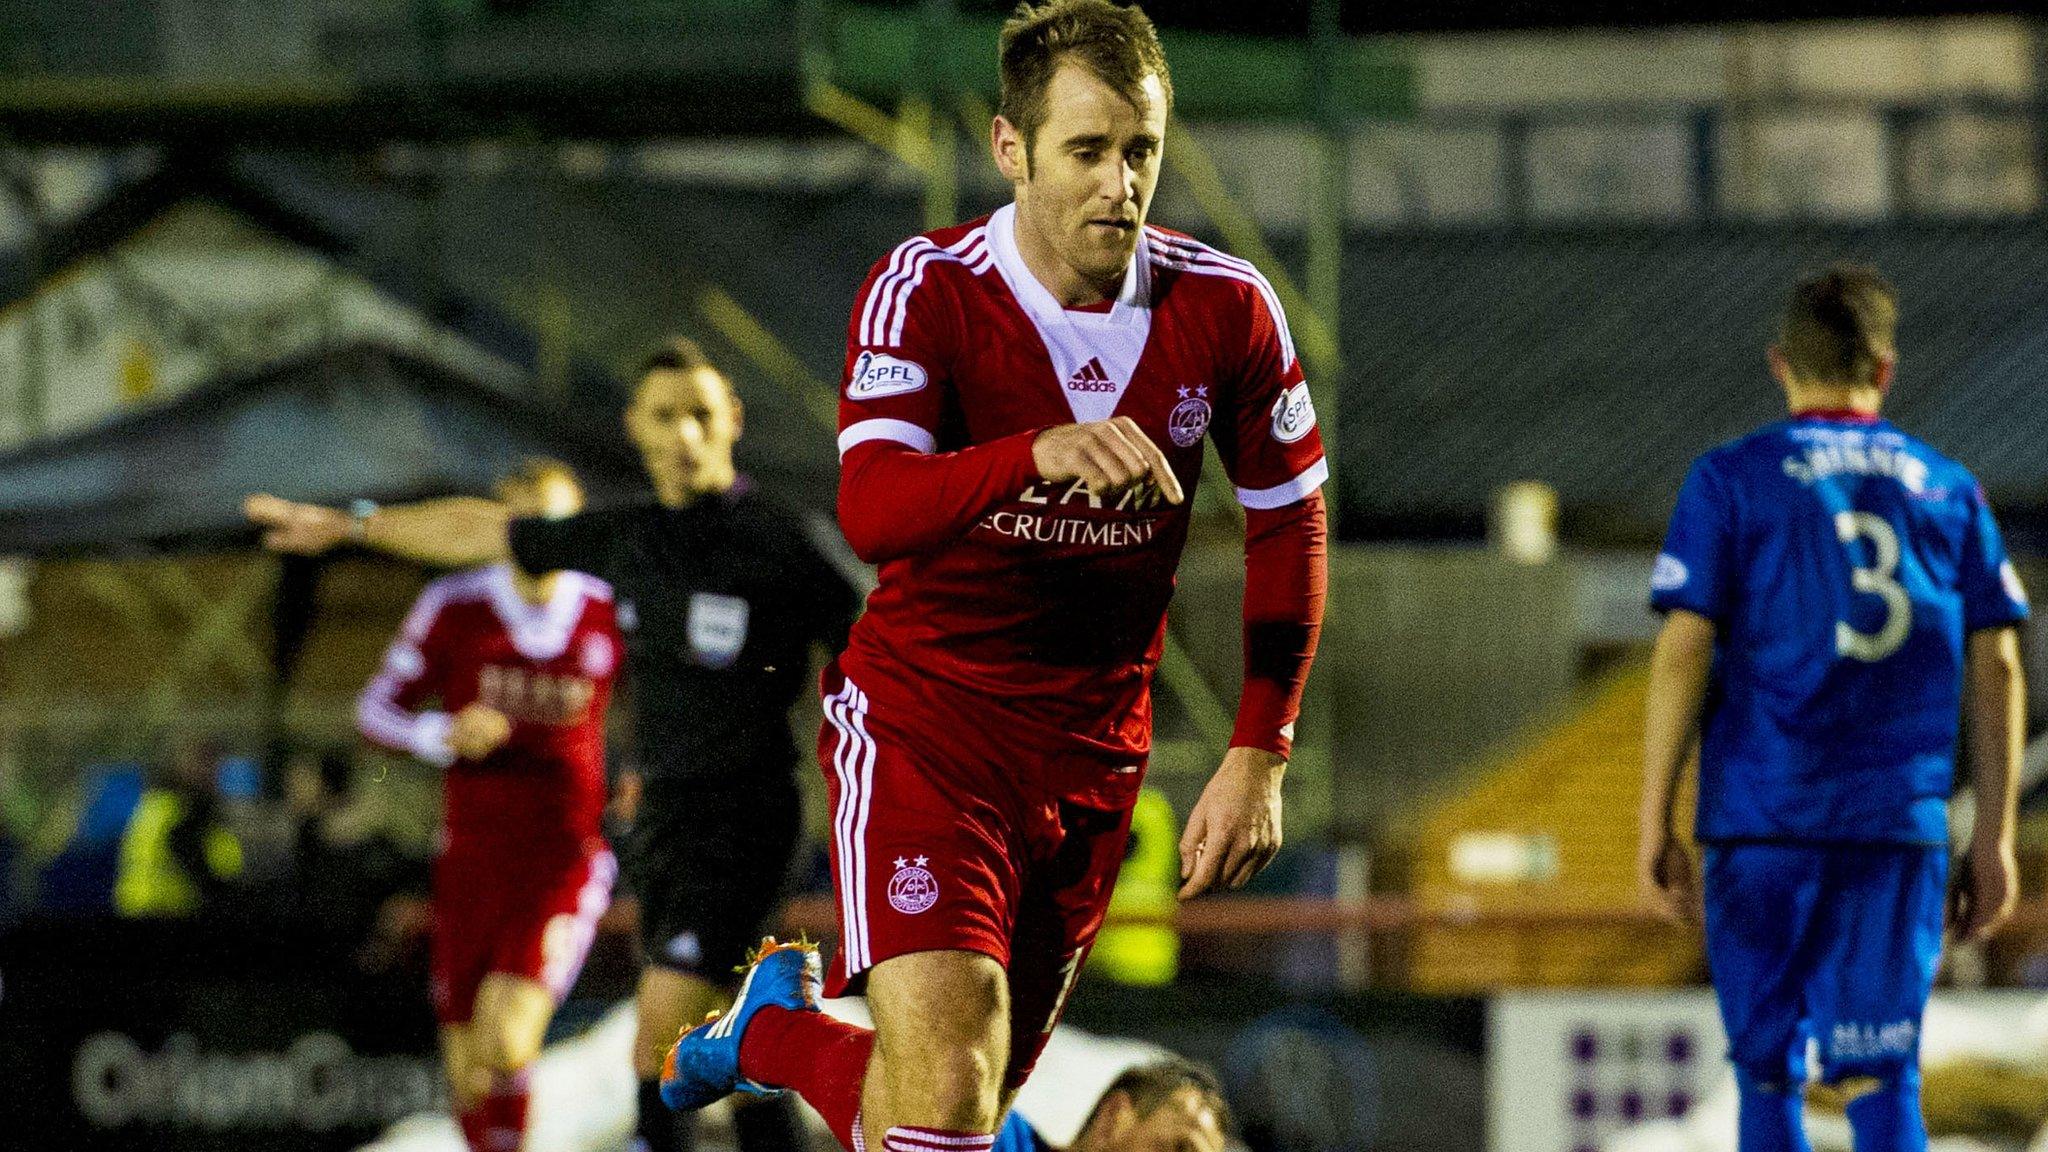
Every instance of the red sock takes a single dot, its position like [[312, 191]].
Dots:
[[819, 1058], [905, 1138], [500, 1117], [475, 1124]]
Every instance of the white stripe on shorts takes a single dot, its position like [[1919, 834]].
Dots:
[[559, 973], [860, 827], [853, 762]]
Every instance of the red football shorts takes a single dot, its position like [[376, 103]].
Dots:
[[940, 842], [511, 910]]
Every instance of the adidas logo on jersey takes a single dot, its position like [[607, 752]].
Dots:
[[1091, 378]]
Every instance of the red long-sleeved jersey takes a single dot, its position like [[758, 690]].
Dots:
[[549, 668], [1045, 599]]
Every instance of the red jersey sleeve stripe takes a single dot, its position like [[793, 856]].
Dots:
[[970, 251], [379, 716], [1190, 255], [888, 303], [881, 428], [884, 283], [423, 734], [1281, 495]]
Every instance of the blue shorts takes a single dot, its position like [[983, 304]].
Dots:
[[1834, 943]]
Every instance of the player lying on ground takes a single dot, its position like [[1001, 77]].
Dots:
[[1168, 1105], [1024, 404], [1836, 595], [502, 679], [1165, 1106], [722, 594]]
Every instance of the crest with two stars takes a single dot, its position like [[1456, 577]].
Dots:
[[913, 888], [1189, 418]]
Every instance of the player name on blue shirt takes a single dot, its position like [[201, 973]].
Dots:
[[1843, 563]]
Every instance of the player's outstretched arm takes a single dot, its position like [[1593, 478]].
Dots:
[[1679, 668], [451, 533], [1995, 702]]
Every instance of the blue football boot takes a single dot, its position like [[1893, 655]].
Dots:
[[704, 1065]]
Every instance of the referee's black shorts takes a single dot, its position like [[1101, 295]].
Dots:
[[710, 863]]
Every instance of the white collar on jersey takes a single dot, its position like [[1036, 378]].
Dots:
[[538, 631], [1095, 353]]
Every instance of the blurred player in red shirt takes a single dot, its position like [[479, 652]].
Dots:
[[502, 679], [1024, 404]]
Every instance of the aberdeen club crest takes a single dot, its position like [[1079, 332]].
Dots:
[[1190, 418], [913, 888]]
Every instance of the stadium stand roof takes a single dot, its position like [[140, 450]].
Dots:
[[1601, 361], [338, 424], [269, 199]]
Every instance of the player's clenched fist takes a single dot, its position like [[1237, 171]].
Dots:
[[1110, 456], [1985, 891], [478, 731], [1668, 879], [289, 526]]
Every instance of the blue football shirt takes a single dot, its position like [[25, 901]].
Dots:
[[1843, 563], [1017, 1135]]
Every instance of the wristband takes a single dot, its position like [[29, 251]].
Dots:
[[359, 513]]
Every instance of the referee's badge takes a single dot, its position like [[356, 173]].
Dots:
[[717, 628], [684, 949]]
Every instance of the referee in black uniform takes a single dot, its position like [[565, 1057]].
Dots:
[[722, 594]]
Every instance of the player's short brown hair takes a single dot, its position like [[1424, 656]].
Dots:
[[1839, 324], [1147, 1086], [674, 354], [1117, 43], [680, 354]]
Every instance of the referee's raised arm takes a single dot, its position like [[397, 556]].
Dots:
[[456, 532]]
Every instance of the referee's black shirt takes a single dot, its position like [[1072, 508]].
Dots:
[[719, 603]]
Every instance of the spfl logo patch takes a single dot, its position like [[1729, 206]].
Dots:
[[877, 374], [598, 657], [913, 889], [1668, 574], [2010, 577], [1293, 414]]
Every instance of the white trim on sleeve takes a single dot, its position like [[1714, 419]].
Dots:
[[1281, 495], [428, 738], [899, 431]]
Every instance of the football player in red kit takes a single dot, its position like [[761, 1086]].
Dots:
[[1024, 404], [502, 679]]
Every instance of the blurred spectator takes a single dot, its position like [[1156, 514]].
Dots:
[[178, 857], [1139, 944], [352, 889], [253, 807], [75, 854]]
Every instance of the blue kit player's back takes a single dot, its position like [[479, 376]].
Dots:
[[1843, 562], [1836, 597]]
